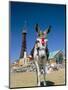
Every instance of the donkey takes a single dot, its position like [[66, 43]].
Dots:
[[40, 54]]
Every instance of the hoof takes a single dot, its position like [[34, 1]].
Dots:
[[39, 84], [42, 84]]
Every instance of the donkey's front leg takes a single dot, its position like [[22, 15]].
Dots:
[[38, 73], [44, 75]]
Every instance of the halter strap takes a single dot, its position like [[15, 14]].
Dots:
[[43, 41]]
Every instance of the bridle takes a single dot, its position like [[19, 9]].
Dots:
[[41, 45]]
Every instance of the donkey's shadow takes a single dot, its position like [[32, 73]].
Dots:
[[48, 83]]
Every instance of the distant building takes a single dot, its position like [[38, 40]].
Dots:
[[57, 57], [21, 61]]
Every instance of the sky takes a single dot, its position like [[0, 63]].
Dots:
[[31, 13]]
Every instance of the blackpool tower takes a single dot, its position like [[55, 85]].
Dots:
[[23, 46]]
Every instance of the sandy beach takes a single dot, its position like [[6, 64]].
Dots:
[[28, 79]]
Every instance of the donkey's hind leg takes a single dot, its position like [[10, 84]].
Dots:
[[37, 73]]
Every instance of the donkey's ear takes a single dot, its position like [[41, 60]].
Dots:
[[49, 29], [37, 28]]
